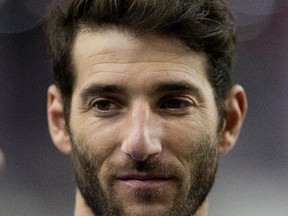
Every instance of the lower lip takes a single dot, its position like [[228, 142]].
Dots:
[[147, 184]]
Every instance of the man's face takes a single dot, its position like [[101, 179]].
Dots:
[[143, 125]]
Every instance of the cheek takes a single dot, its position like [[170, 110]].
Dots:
[[96, 146], [188, 141], [182, 137], [101, 137], [90, 157]]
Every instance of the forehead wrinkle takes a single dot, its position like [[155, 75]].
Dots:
[[141, 58], [179, 71], [133, 73], [136, 50], [144, 62], [188, 69], [133, 53], [174, 60], [105, 71]]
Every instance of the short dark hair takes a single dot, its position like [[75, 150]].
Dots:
[[203, 25]]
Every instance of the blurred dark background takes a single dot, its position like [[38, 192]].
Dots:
[[252, 179]]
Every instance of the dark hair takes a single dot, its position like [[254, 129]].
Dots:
[[203, 25]]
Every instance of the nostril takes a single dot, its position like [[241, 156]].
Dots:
[[141, 151], [138, 156]]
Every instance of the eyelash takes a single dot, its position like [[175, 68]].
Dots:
[[182, 104], [95, 104]]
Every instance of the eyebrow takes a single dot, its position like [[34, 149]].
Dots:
[[97, 89], [162, 87], [181, 86]]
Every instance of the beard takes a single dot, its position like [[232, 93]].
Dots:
[[101, 198]]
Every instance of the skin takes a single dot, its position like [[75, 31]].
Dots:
[[138, 100]]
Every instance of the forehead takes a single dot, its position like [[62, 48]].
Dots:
[[118, 57]]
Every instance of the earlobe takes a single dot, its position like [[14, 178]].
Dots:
[[56, 120], [236, 108]]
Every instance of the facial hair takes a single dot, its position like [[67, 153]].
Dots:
[[101, 198]]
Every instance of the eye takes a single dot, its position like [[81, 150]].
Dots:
[[176, 104], [104, 105]]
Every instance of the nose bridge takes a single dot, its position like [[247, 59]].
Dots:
[[143, 135], [140, 115]]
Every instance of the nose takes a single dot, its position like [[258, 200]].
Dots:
[[142, 134]]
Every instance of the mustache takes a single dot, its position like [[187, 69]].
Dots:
[[145, 166], [151, 167]]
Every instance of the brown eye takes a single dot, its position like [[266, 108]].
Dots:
[[174, 103], [105, 105]]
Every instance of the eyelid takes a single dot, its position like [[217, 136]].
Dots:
[[188, 99], [189, 102], [112, 99]]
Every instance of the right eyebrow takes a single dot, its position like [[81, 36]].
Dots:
[[100, 89]]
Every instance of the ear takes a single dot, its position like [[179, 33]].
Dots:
[[56, 120], [236, 108]]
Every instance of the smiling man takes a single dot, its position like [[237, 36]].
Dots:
[[143, 102]]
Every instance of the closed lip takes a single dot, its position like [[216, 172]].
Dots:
[[143, 177], [145, 181]]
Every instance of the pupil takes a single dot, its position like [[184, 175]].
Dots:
[[173, 104], [103, 105]]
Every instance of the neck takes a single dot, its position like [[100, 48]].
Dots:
[[203, 210], [81, 208]]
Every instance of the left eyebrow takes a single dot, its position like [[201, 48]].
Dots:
[[181, 86], [96, 89]]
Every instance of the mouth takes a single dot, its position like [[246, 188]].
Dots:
[[144, 181]]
